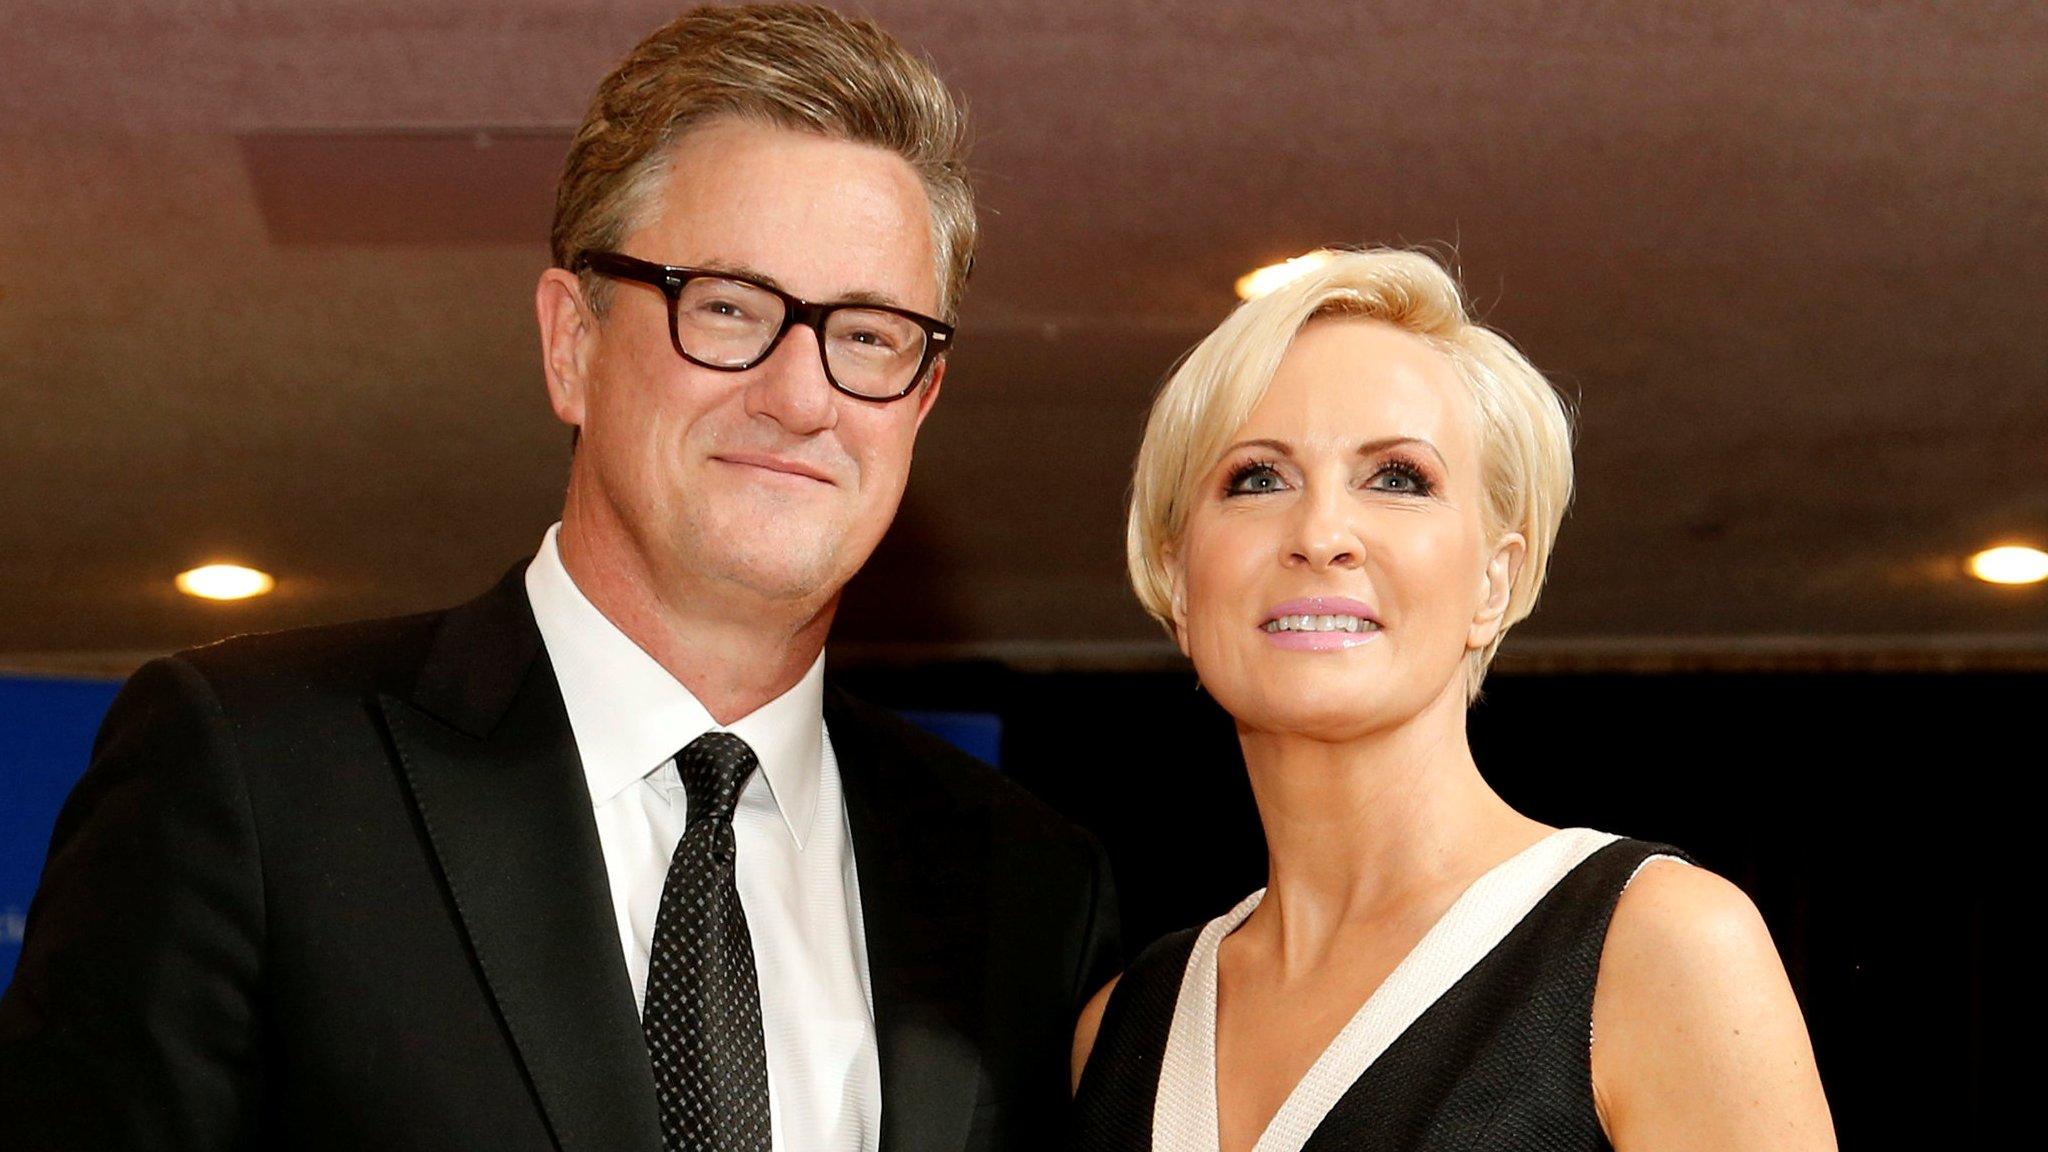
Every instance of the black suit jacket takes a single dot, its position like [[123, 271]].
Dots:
[[342, 888]]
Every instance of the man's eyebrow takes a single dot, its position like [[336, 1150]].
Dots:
[[748, 272], [742, 271], [864, 296]]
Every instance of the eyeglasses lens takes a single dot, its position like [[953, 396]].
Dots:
[[730, 323]]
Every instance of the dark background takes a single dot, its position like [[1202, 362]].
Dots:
[[1881, 821], [1876, 819]]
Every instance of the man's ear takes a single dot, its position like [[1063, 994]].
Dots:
[[930, 392], [568, 341], [1496, 589]]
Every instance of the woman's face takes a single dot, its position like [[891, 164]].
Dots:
[[1335, 568]]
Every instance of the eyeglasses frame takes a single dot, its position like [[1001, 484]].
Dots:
[[670, 280]]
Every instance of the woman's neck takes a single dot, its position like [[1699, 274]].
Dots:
[[1365, 830]]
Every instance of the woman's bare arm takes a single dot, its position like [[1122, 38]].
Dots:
[[1086, 1027]]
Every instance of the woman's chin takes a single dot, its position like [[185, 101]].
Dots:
[[1328, 718]]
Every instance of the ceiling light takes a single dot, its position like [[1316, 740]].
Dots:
[[2011, 564], [1257, 283], [224, 582]]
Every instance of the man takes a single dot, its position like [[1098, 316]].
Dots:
[[597, 861]]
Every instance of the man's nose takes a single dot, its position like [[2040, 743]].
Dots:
[[790, 386]]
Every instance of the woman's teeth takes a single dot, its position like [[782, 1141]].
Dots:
[[1320, 624]]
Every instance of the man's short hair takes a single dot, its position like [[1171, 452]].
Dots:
[[800, 67], [1525, 439]]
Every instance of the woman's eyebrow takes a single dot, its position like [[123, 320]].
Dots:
[[1367, 449], [1279, 446], [1375, 447]]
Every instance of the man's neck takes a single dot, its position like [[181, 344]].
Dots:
[[733, 657]]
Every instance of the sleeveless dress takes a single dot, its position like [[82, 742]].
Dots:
[[1480, 1039]]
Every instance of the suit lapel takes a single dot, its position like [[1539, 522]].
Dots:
[[921, 862], [491, 762]]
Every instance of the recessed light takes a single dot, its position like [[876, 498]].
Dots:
[[224, 582], [2011, 564], [1260, 281]]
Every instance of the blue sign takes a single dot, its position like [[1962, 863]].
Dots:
[[979, 734], [46, 731]]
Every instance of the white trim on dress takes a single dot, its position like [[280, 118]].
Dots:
[[1184, 1112]]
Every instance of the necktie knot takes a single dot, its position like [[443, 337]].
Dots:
[[714, 767]]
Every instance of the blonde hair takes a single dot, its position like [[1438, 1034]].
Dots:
[[1524, 427], [800, 67]]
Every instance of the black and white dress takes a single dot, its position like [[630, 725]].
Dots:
[[1480, 1039]]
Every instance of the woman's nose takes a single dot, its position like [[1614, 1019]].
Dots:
[[1324, 532]]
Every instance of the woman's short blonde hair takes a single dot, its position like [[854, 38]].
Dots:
[[1524, 432]]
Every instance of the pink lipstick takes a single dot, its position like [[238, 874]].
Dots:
[[1320, 624]]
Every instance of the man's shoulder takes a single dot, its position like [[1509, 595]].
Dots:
[[355, 650], [287, 672], [384, 653]]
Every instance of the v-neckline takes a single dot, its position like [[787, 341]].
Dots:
[[1185, 1117]]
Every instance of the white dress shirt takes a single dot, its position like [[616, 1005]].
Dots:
[[795, 868]]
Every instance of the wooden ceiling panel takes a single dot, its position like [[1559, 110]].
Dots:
[[266, 275]]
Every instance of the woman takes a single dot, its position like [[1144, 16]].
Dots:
[[1346, 496]]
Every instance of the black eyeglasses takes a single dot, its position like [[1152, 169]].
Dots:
[[730, 323]]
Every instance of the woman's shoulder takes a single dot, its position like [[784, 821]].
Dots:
[[1150, 984], [1693, 1005], [1682, 939], [1683, 936], [1674, 911], [1154, 975]]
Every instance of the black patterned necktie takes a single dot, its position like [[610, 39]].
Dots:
[[702, 1016]]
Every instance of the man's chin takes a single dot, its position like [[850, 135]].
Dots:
[[795, 579], [781, 553]]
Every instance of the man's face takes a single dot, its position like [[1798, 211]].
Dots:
[[767, 484]]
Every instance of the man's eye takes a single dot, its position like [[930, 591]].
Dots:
[[869, 338]]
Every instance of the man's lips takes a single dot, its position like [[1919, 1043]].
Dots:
[[774, 463]]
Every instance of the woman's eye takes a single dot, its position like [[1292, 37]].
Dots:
[[1399, 479], [1254, 479]]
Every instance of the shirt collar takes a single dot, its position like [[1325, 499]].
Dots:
[[630, 716]]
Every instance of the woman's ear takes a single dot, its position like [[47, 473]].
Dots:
[[1497, 587], [1177, 600]]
